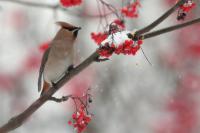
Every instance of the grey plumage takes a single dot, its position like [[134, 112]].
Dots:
[[59, 56]]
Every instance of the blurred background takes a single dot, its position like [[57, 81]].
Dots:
[[129, 94]]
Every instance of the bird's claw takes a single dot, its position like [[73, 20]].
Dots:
[[53, 84], [71, 67]]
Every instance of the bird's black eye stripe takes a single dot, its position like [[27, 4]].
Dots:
[[75, 33], [71, 29]]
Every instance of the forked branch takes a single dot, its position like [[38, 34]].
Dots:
[[160, 19]]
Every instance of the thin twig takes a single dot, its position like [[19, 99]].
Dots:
[[159, 20], [146, 56], [110, 7]]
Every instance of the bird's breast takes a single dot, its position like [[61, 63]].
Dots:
[[57, 65]]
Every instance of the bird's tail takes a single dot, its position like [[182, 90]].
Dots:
[[45, 88]]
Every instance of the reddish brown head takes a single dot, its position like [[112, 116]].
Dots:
[[69, 27]]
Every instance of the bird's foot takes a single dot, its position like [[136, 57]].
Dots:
[[70, 68], [53, 84]]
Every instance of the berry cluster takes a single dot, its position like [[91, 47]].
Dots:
[[80, 119], [184, 9], [119, 23], [131, 10], [115, 26], [68, 3], [99, 37], [116, 40], [128, 47]]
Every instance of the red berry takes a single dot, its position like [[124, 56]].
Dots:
[[131, 10], [44, 46], [68, 3], [98, 37]]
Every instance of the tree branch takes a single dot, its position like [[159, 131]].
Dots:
[[18, 120], [54, 7], [160, 19], [169, 29], [33, 4]]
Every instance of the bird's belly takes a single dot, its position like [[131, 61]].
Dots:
[[54, 70]]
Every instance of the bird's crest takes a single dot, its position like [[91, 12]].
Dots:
[[67, 26]]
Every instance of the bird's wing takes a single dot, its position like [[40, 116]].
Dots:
[[44, 60]]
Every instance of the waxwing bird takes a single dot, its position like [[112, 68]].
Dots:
[[58, 58]]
